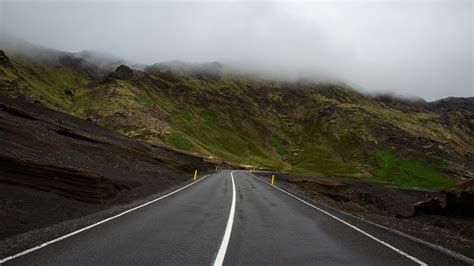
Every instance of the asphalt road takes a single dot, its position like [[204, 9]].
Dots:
[[202, 225]]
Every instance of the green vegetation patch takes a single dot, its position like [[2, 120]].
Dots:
[[320, 159], [50, 82], [106, 99], [179, 141], [404, 172], [185, 115], [278, 144], [145, 99], [209, 118]]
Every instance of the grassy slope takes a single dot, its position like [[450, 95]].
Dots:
[[54, 84], [395, 169], [252, 122], [220, 131]]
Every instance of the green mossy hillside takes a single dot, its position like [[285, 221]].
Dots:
[[310, 128]]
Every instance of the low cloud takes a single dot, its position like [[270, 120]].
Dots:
[[409, 48]]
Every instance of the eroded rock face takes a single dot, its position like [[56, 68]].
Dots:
[[4, 60], [122, 72], [432, 206], [452, 203], [467, 203], [460, 203], [68, 182]]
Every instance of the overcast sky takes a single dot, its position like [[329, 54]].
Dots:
[[422, 48]]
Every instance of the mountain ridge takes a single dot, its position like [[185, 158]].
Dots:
[[314, 128]]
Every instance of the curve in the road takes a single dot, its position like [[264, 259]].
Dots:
[[228, 230]]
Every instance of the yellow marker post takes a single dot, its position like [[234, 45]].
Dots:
[[273, 179], [195, 174]]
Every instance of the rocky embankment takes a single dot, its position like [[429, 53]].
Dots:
[[55, 167], [442, 217]]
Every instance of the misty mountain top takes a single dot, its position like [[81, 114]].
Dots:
[[100, 63], [205, 109], [97, 61], [93, 61], [211, 70], [414, 49]]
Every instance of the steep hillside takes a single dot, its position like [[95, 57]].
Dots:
[[304, 127], [55, 167]]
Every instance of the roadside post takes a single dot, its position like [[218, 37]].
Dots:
[[273, 179], [195, 174]]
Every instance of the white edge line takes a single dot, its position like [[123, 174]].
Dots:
[[228, 230], [439, 248], [348, 224], [95, 224]]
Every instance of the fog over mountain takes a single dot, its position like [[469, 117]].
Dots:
[[409, 48]]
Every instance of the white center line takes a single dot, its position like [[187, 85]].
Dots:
[[225, 240]]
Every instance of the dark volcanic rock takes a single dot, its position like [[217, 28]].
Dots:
[[463, 104], [3, 58], [457, 203], [122, 72], [67, 182], [432, 206], [5, 61], [453, 203], [467, 203], [460, 203]]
